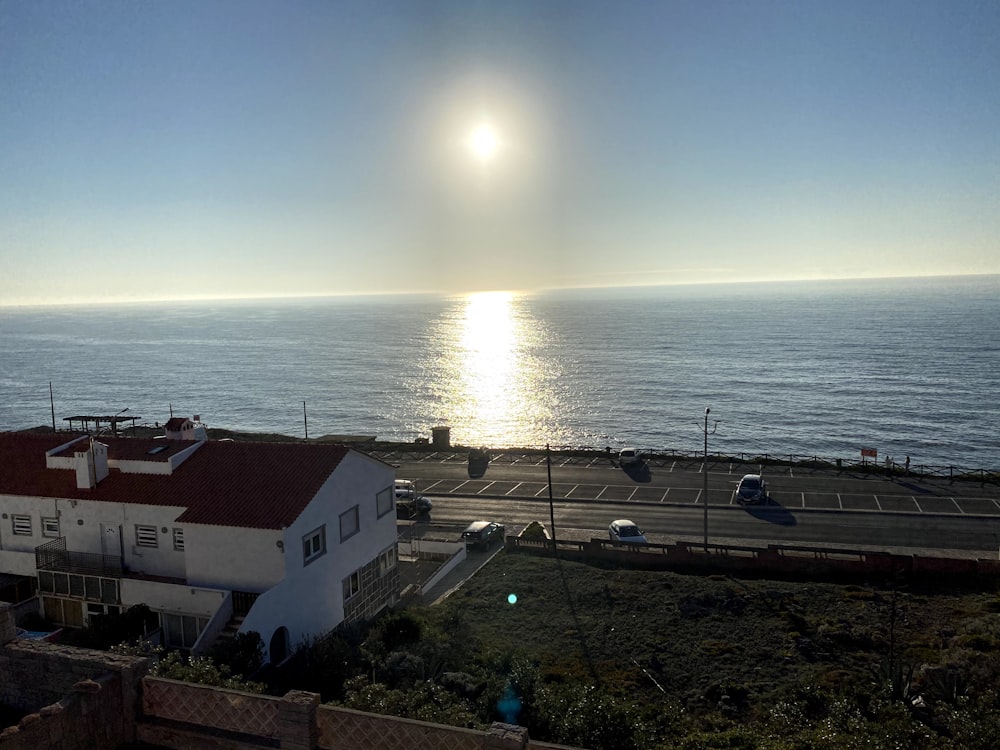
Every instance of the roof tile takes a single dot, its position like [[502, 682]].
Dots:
[[246, 485]]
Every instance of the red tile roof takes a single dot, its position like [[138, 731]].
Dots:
[[247, 485]]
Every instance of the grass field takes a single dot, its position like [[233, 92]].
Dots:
[[734, 655]]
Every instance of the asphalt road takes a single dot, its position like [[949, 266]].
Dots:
[[837, 509]]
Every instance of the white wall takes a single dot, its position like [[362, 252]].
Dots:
[[17, 563], [86, 523], [11, 505], [233, 558], [175, 598], [309, 602]]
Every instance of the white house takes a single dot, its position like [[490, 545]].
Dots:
[[288, 540]]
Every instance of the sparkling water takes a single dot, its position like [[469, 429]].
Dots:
[[910, 367]]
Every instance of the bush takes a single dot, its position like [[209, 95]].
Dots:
[[534, 531], [202, 671], [243, 654]]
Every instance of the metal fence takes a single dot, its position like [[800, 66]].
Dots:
[[658, 457]]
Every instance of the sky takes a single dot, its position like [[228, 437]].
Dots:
[[177, 150]]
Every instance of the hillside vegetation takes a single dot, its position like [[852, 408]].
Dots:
[[613, 658]]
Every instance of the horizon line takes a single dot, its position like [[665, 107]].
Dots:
[[444, 293]]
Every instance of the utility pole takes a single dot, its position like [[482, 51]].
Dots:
[[704, 471], [552, 512], [305, 420]]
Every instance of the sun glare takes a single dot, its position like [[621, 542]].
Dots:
[[483, 143]]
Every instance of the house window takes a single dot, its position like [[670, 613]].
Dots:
[[145, 536], [179, 540], [96, 610], [90, 588], [181, 631], [50, 527], [349, 523], [313, 545], [387, 560], [63, 611], [22, 525], [352, 584], [383, 501]]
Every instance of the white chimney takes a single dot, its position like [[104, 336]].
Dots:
[[91, 465]]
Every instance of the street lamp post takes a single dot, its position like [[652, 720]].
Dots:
[[552, 512], [704, 471]]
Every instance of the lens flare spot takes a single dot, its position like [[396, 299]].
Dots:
[[512, 598]]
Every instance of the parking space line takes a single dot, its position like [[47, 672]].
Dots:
[[571, 491], [601, 492], [632, 493], [485, 488], [665, 493], [697, 497], [460, 486], [840, 501], [512, 489], [955, 503], [916, 502], [429, 488], [803, 500], [543, 489], [877, 503]]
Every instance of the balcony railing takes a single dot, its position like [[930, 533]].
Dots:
[[54, 556]]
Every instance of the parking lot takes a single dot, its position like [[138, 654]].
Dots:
[[679, 483]]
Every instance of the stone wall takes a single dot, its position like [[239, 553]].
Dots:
[[378, 591], [74, 698]]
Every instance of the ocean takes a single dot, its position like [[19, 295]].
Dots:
[[909, 367]]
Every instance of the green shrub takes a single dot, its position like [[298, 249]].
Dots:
[[534, 531], [202, 671]]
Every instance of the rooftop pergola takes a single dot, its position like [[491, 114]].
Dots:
[[99, 422]]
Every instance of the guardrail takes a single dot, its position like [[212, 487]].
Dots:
[[792, 561]]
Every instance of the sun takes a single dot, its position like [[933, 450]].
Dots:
[[483, 143]]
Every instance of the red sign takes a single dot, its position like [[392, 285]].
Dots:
[[869, 453]]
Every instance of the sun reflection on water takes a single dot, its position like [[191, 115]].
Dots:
[[494, 390]]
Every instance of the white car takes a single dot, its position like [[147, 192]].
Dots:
[[624, 531], [752, 490], [629, 457]]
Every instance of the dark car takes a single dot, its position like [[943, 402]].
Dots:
[[751, 490], [482, 534], [414, 504], [479, 460]]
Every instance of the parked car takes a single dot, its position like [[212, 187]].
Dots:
[[629, 457], [752, 490], [409, 506], [624, 531], [479, 460], [482, 534]]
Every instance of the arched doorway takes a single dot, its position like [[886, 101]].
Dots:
[[278, 648]]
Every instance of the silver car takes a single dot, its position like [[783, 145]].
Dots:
[[624, 531]]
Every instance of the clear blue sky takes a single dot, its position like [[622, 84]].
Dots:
[[153, 150]]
